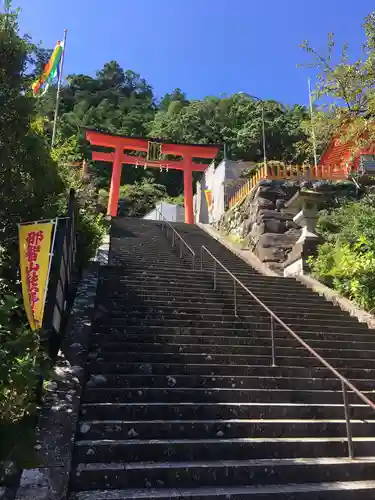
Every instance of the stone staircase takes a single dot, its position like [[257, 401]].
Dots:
[[181, 400]]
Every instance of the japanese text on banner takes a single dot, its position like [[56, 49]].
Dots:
[[35, 248]]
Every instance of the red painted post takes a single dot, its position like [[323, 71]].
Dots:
[[188, 190], [114, 191]]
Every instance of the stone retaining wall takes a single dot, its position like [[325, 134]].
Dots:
[[263, 224]]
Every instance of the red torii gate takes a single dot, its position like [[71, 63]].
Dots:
[[119, 156]]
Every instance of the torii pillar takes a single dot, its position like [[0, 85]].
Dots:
[[188, 190], [118, 157]]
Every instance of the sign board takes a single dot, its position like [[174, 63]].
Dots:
[[35, 254]]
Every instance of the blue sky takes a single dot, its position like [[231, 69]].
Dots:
[[205, 47]]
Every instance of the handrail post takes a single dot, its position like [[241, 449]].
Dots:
[[214, 274], [347, 420], [173, 240], [235, 297], [193, 261], [180, 248], [202, 253], [273, 342]]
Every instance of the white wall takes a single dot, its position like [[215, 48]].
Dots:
[[173, 213], [216, 179]]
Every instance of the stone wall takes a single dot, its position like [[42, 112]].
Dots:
[[266, 227], [262, 223]]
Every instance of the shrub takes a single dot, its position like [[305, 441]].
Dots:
[[21, 361], [346, 261]]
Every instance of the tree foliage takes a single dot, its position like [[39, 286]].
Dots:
[[33, 185], [140, 198], [348, 86], [346, 261], [236, 121], [116, 100], [29, 179]]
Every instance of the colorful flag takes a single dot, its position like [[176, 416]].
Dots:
[[35, 253], [50, 72]]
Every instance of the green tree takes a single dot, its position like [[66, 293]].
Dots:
[[116, 101], [177, 96], [348, 85], [29, 189], [29, 179], [33, 186], [237, 121], [139, 198]]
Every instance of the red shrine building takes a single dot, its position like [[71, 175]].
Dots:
[[121, 153], [345, 159]]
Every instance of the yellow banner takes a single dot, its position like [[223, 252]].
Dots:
[[208, 194], [35, 248]]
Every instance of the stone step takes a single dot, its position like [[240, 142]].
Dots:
[[266, 370], [127, 295], [182, 291], [212, 429], [349, 490], [196, 277], [245, 314], [145, 298], [106, 450], [136, 264], [184, 274], [253, 333], [144, 338], [220, 474], [184, 321], [228, 381], [213, 300], [219, 410], [228, 359], [244, 307], [249, 317], [171, 267], [160, 258], [201, 394], [196, 285], [251, 350]]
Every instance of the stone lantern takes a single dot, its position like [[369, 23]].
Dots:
[[305, 204]]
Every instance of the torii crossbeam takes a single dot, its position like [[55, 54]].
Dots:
[[154, 149]]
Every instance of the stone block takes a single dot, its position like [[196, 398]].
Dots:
[[271, 192], [44, 484], [264, 203], [277, 240], [280, 204], [260, 204], [255, 233], [269, 214], [290, 224], [272, 226], [270, 254]]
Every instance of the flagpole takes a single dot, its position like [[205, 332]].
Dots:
[[58, 90], [313, 137]]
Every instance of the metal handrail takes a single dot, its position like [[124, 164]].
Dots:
[[176, 234], [345, 384]]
